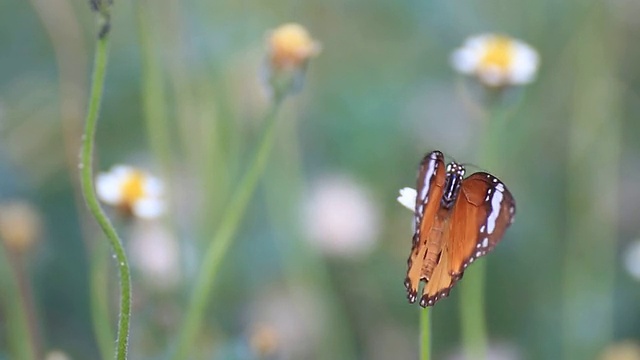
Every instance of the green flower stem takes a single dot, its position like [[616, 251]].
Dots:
[[88, 188], [425, 334], [595, 136], [221, 242], [100, 299], [153, 89], [301, 265], [20, 339], [474, 327], [472, 300]]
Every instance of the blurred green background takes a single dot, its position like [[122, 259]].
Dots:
[[381, 94]]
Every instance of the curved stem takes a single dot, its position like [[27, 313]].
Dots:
[[88, 189], [425, 334], [221, 242]]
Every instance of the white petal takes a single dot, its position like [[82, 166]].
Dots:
[[109, 188], [464, 61], [408, 198], [153, 187], [148, 208], [121, 171], [525, 64]]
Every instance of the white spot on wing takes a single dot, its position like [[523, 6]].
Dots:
[[427, 177], [496, 204]]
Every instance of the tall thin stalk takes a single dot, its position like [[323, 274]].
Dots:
[[283, 184], [472, 300], [593, 178], [20, 336], [153, 87], [472, 312], [86, 178], [100, 299], [425, 334], [221, 242]]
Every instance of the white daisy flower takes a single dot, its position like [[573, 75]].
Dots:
[[408, 198], [132, 190], [497, 60]]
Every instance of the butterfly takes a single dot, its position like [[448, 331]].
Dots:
[[457, 220]]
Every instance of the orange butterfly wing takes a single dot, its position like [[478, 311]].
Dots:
[[427, 238], [482, 212]]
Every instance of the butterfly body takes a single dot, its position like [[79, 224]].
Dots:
[[457, 220]]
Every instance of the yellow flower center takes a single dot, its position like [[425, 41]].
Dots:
[[499, 52], [133, 188]]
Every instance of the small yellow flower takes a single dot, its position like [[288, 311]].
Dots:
[[290, 47], [497, 60], [20, 226], [132, 190]]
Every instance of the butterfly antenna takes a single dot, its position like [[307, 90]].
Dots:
[[474, 166]]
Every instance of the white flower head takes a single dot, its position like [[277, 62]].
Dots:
[[632, 259], [408, 198], [132, 190], [341, 217], [497, 60]]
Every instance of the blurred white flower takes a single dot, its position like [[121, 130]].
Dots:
[[632, 259], [341, 218], [155, 253], [408, 198], [132, 190], [497, 60]]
